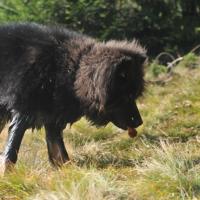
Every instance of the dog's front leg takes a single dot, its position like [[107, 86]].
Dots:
[[55, 144], [17, 128]]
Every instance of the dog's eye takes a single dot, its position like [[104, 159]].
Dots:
[[131, 97], [122, 75]]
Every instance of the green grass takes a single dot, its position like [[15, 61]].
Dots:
[[162, 162]]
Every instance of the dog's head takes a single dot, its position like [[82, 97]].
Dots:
[[108, 82]]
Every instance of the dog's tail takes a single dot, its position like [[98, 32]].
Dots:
[[4, 117]]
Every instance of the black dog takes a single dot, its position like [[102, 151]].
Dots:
[[50, 76]]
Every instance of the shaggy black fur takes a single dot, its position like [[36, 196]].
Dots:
[[50, 76]]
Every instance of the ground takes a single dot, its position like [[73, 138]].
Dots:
[[162, 162]]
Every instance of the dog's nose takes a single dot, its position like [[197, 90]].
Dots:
[[137, 119], [137, 122]]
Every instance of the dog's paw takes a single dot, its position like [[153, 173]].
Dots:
[[5, 165], [2, 165]]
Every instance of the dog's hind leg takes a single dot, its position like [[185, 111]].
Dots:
[[17, 128], [55, 144]]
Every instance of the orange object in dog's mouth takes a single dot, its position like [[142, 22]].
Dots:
[[132, 132]]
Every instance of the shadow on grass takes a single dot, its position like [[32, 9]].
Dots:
[[155, 139], [103, 162]]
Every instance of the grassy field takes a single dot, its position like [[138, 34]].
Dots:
[[162, 162]]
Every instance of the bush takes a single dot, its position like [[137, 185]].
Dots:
[[189, 60], [160, 25], [157, 69]]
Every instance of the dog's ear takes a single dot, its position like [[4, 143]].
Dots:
[[140, 59], [136, 59], [118, 72], [121, 68]]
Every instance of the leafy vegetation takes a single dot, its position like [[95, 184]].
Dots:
[[162, 162], [168, 25], [158, 69], [190, 60]]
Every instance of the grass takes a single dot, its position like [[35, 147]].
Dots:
[[162, 162]]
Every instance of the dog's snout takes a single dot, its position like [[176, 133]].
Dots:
[[137, 122], [137, 119]]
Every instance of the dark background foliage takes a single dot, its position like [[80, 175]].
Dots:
[[161, 25]]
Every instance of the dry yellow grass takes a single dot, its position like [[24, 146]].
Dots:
[[161, 163]]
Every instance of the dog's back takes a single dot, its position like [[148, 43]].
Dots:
[[29, 60]]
